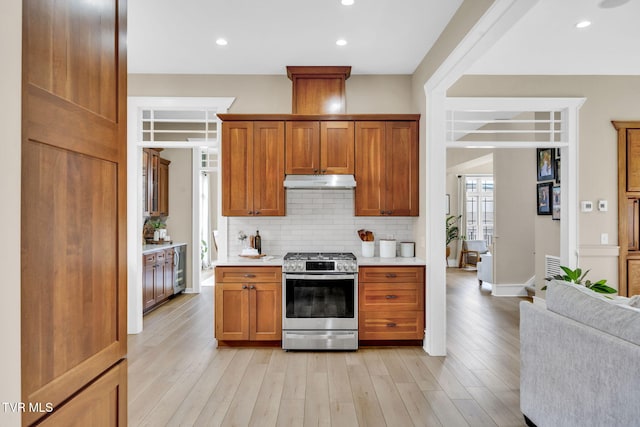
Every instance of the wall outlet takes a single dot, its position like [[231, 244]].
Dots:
[[603, 206], [586, 206]]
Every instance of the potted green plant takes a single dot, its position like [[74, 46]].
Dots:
[[453, 231], [577, 276]]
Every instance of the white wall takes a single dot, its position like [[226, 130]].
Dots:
[[10, 107]]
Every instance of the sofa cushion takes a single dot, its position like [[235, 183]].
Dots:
[[590, 308]]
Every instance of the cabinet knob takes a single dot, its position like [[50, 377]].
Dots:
[[391, 296], [252, 287], [315, 171], [257, 212], [244, 286], [389, 212], [323, 171], [391, 325], [249, 276], [250, 213], [391, 275], [382, 212]]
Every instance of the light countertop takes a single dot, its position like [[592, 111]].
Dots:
[[397, 261], [156, 247], [276, 261]]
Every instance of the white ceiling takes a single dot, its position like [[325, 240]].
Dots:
[[384, 37]]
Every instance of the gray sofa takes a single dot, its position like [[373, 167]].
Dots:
[[580, 359]]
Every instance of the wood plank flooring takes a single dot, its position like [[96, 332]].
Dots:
[[178, 378]]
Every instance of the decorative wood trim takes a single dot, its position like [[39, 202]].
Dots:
[[318, 117], [625, 125], [318, 71]]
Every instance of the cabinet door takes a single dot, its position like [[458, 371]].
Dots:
[[633, 277], [159, 291], [265, 308], [303, 148], [401, 154], [154, 165], [268, 169], [146, 203], [370, 175], [633, 159], [169, 272], [163, 187], [337, 148], [237, 168], [148, 281], [391, 325], [232, 312]]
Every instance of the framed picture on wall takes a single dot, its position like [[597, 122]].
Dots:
[[555, 202], [545, 163], [544, 198], [557, 171]]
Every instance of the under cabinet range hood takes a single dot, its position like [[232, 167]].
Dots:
[[320, 182]]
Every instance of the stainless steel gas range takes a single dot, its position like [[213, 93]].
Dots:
[[319, 301]]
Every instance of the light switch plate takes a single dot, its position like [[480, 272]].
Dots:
[[586, 206]]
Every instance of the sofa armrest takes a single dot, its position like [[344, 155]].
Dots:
[[574, 375]]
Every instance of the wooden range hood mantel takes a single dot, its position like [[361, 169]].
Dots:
[[318, 90]]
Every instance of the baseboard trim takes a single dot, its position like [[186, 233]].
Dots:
[[509, 290]]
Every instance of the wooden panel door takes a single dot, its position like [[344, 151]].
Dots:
[[237, 168], [632, 224], [154, 170], [232, 312], [148, 281], [73, 212], [268, 169], [265, 307], [337, 148], [159, 277], [146, 201], [401, 153], [302, 148], [633, 276], [169, 271], [370, 168]]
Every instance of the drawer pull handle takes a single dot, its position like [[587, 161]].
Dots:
[[391, 325], [391, 275], [391, 296], [249, 276]]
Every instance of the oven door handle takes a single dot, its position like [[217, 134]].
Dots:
[[320, 276]]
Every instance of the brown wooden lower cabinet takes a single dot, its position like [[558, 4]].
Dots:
[[158, 275], [391, 303], [248, 304], [101, 404]]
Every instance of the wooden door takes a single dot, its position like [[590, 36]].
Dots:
[[73, 212], [632, 224], [237, 168], [370, 168], [302, 148], [337, 148], [146, 201], [633, 160], [265, 308], [148, 281], [159, 277], [401, 154], [154, 170], [163, 187], [268, 169], [232, 311]]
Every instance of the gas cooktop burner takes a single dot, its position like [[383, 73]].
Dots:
[[320, 262], [320, 256]]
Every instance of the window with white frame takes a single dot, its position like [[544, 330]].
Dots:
[[479, 212]]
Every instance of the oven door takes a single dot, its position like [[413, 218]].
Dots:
[[320, 302]]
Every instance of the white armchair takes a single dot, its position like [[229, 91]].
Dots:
[[485, 268]]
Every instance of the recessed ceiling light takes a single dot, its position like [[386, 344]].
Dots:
[[583, 24], [341, 42], [221, 42], [347, 2]]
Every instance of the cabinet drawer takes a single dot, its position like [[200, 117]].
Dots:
[[160, 256], [248, 274], [392, 274], [391, 325], [385, 297], [149, 259]]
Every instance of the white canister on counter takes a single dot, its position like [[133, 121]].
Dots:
[[407, 249], [367, 249], [387, 248]]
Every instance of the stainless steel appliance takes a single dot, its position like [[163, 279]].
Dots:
[[180, 263], [319, 301]]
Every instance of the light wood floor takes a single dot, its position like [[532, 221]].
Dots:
[[178, 378]]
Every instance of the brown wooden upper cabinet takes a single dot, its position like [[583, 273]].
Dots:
[[325, 147], [253, 168], [155, 181], [386, 168]]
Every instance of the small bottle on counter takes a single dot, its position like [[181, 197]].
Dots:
[[257, 241]]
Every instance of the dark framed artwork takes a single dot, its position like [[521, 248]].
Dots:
[[557, 171], [555, 202], [545, 164], [544, 198]]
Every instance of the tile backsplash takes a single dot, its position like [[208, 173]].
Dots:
[[318, 221]]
